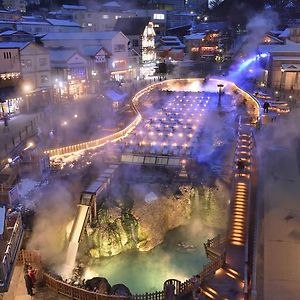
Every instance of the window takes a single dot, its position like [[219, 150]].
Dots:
[[135, 43], [158, 16], [7, 55], [44, 79], [119, 48], [105, 17], [43, 61], [90, 24], [26, 63]]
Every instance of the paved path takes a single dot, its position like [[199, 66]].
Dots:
[[17, 289], [280, 196]]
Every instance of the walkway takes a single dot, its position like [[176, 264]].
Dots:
[[16, 127], [279, 198], [17, 289]]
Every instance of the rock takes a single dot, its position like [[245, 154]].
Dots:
[[120, 290], [99, 284]]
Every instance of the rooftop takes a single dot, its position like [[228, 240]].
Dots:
[[195, 36], [288, 47], [103, 35], [74, 7], [11, 45], [57, 22]]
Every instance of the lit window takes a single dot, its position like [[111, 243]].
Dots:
[[90, 24], [105, 17], [158, 16]]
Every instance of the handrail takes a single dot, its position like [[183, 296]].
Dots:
[[74, 292]]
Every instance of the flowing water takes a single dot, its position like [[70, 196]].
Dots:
[[180, 256]]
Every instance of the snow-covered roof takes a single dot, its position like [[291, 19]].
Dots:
[[2, 219], [114, 95], [103, 35], [112, 4], [285, 33], [289, 47], [195, 36], [291, 67], [90, 50], [61, 54], [74, 7], [10, 45], [57, 22], [281, 57], [8, 32], [33, 22], [11, 32]]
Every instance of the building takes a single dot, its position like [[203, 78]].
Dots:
[[281, 61], [95, 20], [170, 47], [113, 43], [36, 74], [10, 78], [176, 19], [16, 36], [141, 35], [204, 46], [157, 16], [69, 70], [19, 5], [38, 26]]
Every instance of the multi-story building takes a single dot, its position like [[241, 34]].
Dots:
[[157, 16], [41, 26], [281, 63], [114, 44], [33, 65], [36, 74], [170, 47], [95, 20], [10, 77], [141, 35]]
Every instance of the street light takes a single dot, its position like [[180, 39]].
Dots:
[[220, 86]]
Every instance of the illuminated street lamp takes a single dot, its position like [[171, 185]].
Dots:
[[220, 86]]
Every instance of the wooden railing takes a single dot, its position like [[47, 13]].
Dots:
[[12, 247], [216, 242], [74, 292], [135, 100]]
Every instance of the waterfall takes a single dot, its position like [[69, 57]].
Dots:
[[77, 228]]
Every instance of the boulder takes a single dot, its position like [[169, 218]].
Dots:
[[99, 284], [120, 290]]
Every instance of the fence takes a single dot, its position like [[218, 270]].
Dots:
[[135, 100], [12, 247], [73, 292], [15, 142]]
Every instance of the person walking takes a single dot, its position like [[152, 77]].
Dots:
[[266, 107], [28, 284]]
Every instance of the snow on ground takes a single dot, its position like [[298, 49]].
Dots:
[[27, 189]]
